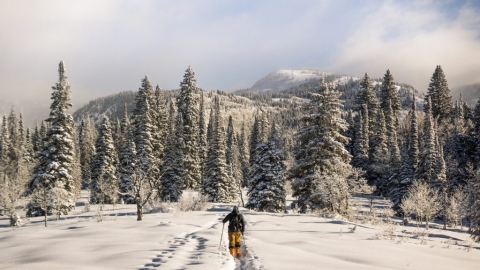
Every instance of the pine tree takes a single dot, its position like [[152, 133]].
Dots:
[[427, 158], [104, 180], [160, 131], [367, 96], [142, 130], [53, 173], [218, 186], [439, 94], [202, 134], [360, 146], [321, 160], [266, 186], [255, 139], [380, 157], [188, 109], [389, 94], [243, 151], [171, 180], [126, 169], [87, 138]]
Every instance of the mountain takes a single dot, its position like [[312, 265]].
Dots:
[[286, 78], [470, 93]]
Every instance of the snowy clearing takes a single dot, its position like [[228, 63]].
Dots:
[[190, 240]]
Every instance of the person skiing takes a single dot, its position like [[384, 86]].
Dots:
[[236, 228]]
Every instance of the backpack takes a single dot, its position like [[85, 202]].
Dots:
[[235, 223]]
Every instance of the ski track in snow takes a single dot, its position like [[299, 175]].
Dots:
[[250, 261], [191, 251]]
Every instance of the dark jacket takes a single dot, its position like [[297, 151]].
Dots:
[[236, 223]]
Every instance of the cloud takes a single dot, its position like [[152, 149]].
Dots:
[[411, 40]]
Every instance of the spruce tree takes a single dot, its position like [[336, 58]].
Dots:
[[243, 151], [87, 138], [103, 187], [188, 109], [202, 133], [171, 183], [428, 156], [126, 169], [367, 96], [380, 157], [389, 94], [142, 130], [255, 139], [360, 145], [159, 122], [53, 172], [321, 160], [266, 186], [218, 186], [439, 94]]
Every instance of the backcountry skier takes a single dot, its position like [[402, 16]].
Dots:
[[236, 227]]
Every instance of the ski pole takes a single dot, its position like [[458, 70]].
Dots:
[[221, 236]]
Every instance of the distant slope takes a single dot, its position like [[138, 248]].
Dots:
[[470, 93]]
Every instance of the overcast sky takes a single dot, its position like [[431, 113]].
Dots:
[[108, 46]]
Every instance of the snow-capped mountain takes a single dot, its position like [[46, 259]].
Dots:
[[286, 78]]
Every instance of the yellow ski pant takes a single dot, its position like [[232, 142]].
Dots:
[[234, 241]]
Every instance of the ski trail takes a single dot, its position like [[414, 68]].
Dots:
[[250, 261], [195, 250]]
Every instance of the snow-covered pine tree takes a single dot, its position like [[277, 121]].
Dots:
[[209, 126], [171, 183], [202, 134], [104, 184], [142, 130], [366, 96], [266, 188], [389, 94], [255, 138], [217, 186], [126, 168], [321, 160], [28, 153], [360, 145], [379, 160], [243, 150], [188, 108], [53, 172], [160, 130], [428, 156], [35, 135], [87, 138], [439, 94]]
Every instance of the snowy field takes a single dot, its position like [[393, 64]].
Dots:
[[190, 240]]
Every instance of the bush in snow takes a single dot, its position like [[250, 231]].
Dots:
[[421, 201]]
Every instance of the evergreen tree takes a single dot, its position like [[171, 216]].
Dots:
[[104, 180], [171, 183], [379, 162], [389, 94], [266, 186], [428, 156], [126, 169], [439, 94], [243, 151], [367, 96], [87, 138], [188, 109], [255, 139], [202, 133], [159, 132], [142, 130], [218, 186], [360, 146], [53, 172], [321, 161]]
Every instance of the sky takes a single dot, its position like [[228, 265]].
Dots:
[[109, 46]]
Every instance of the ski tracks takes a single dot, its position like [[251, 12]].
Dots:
[[195, 250], [250, 261]]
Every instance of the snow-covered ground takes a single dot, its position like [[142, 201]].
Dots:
[[191, 240]]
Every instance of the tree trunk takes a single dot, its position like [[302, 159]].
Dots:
[[45, 218], [139, 212], [241, 194]]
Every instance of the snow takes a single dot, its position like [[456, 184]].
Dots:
[[286, 78], [190, 240]]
